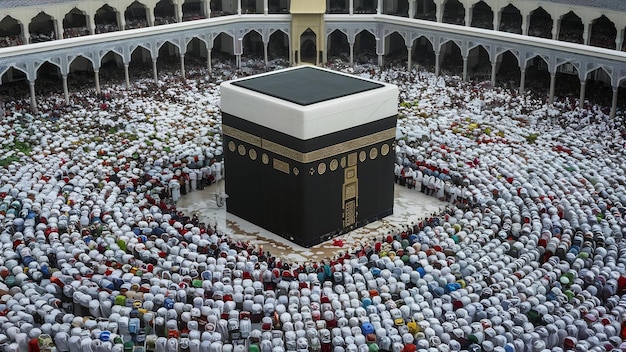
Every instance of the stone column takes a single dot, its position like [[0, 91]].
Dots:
[[524, 24], [207, 8], [586, 33], [33, 99], [614, 102], [96, 76], [239, 7], [555, 28], [182, 66], [439, 13], [92, 24], [208, 61], [178, 9], [522, 80], [351, 7], [494, 66], [59, 29], [265, 7], [619, 40], [351, 54], [437, 63], [465, 68], [126, 76], [552, 83], [408, 58], [26, 34], [155, 74], [66, 92], [265, 60], [412, 8], [379, 8], [496, 21], [581, 99], [150, 16], [121, 21]]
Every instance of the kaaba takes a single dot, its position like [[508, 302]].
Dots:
[[309, 151]]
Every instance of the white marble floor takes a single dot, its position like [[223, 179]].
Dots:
[[410, 206]]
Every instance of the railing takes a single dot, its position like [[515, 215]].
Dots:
[[514, 39]]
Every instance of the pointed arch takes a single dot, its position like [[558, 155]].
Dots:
[[571, 28], [278, 46], [80, 73], [164, 12], [10, 32], [508, 71], [308, 46], [567, 84], [395, 48], [478, 63], [168, 56], [196, 52], [140, 65], [75, 24], [223, 47], [14, 84], [364, 47], [48, 78], [482, 15], [451, 58], [111, 69], [136, 15], [510, 19], [426, 10], [42, 29], [338, 45], [603, 33], [193, 10], [537, 75], [253, 46], [423, 53], [540, 23], [599, 88], [453, 12], [106, 19]]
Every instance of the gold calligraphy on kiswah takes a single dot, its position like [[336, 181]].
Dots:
[[312, 156]]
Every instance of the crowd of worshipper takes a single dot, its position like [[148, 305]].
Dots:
[[11, 40], [106, 28], [528, 256], [74, 32], [42, 37]]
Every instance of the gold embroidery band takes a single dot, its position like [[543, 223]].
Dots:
[[312, 156], [281, 166]]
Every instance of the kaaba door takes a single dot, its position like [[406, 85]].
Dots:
[[350, 199]]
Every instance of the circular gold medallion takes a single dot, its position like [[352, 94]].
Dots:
[[343, 162], [321, 168], [362, 156], [252, 154], [231, 146], [333, 165], [265, 159], [384, 150], [242, 150], [373, 153], [296, 171]]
